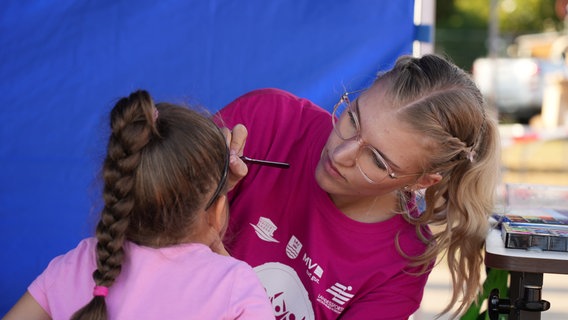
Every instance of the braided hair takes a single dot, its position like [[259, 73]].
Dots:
[[162, 163]]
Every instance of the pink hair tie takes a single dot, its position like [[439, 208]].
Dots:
[[100, 291]]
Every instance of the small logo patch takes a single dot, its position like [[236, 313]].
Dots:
[[293, 248], [265, 229]]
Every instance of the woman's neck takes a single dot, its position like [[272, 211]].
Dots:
[[368, 209]]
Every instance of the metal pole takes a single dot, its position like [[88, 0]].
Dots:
[[493, 28], [425, 20], [493, 49]]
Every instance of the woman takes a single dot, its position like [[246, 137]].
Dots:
[[339, 234]]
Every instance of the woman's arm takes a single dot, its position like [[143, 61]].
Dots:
[[27, 309]]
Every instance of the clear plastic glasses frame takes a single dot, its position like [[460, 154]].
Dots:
[[369, 160]]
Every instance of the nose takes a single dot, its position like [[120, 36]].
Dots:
[[346, 152]]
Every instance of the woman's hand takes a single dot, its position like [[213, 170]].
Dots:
[[236, 139]]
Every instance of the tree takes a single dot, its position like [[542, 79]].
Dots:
[[462, 25]]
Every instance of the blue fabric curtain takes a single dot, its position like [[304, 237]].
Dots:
[[64, 63]]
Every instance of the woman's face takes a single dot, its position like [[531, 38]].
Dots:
[[403, 149]]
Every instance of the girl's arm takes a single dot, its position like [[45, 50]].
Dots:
[[27, 309]]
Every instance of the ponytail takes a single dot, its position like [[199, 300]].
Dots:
[[132, 124]]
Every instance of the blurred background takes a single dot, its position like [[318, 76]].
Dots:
[[64, 63], [516, 51]]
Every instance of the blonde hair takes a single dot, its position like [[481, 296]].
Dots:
[[440, 101]]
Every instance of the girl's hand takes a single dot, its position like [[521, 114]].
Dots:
[[236, 139]]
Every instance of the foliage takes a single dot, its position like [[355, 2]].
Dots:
[[462, 25], [527, 16]]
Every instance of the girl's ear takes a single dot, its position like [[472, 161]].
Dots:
[[218, 215]]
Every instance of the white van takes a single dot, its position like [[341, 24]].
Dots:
[[516, 85]]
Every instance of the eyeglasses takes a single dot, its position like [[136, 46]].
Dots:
[[221, 184], [369, 160]]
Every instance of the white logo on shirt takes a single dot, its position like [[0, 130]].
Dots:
[[293, 248], [314, 271], [289, 297], [340, 297], [265, 229], [339, 293]]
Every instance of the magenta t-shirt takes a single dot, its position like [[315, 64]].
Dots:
[[186, 281], [314, 262]]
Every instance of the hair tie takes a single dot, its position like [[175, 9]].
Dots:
[[100, 291]]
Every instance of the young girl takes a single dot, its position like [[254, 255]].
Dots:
[[165, 211], [339, 234]]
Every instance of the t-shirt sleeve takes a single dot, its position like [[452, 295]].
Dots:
[[249, 299], [276, 120], [60, 269], [277, 123], [41, 287], [38, 289]]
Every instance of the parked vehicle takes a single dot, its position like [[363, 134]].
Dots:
[[516, 85]]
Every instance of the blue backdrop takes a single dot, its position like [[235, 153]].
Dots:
[[63, 64]]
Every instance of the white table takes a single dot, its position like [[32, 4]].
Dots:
[[526, 268]]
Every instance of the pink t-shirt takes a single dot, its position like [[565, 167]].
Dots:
[[314, 261], [186, 281]]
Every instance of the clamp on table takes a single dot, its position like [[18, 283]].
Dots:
[[530, 301]]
